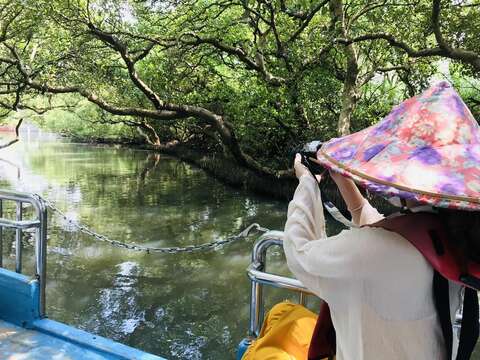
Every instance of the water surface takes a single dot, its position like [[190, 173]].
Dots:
[[179, 306]]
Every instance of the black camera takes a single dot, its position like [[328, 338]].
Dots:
[[308, 152]]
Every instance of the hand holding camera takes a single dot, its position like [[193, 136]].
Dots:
[[304, 161]]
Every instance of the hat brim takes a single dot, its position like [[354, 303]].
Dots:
[[408, 178]]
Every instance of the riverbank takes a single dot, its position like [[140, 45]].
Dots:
[[216, 165], [228, 172]]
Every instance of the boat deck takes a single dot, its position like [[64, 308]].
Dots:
[[18, 343]]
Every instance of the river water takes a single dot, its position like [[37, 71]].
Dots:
[[180, 306]]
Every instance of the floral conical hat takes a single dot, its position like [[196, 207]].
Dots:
[[427, 149]]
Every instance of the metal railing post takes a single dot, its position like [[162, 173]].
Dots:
[[39, 223], [41, 255], [18, 239], [259, 277], [1, 234], [302, 299], [256, 309]]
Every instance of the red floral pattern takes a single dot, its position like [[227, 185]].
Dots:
[[426, 149]]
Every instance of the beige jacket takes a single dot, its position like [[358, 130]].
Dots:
[[378, 286]]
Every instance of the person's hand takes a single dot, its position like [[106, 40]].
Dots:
[[301, 169]]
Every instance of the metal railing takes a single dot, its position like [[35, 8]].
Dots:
[[38, 223], [257, 272]]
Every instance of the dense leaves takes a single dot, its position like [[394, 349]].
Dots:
[[251, 79]]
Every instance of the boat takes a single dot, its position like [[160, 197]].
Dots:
[[7, 128], [25, 330]]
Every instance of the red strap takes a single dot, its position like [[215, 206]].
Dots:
[[323, 343]]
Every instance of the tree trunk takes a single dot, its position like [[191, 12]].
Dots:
[[349, 100], [349, 94], [149, 133]]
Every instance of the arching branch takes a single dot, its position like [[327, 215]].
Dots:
[[443, 49], [13, 141]]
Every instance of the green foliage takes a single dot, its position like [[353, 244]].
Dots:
[[71, 125], [82, 122], [226, 57]]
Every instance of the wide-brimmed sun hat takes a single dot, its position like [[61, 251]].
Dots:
[[427, 149]]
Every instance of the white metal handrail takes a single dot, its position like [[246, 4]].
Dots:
[[259, 277], [39, 224]]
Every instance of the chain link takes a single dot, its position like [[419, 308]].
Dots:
[[213, 245]]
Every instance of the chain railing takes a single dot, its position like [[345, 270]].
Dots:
[[213, 245]]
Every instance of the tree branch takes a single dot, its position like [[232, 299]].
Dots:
[[465, 56], [393, 42], [258, 64], [13, 141], [309, 16], [121, 48], [443, 49]]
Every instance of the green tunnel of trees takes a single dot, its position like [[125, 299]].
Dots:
[[246, 79]]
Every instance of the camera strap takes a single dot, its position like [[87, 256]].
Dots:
[[335, 213], [327, 204]]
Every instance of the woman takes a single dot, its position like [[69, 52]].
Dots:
[[377, 284]]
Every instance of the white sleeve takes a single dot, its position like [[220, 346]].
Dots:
[[311, 256]]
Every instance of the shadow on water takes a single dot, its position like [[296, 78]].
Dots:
[[182, 306]]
